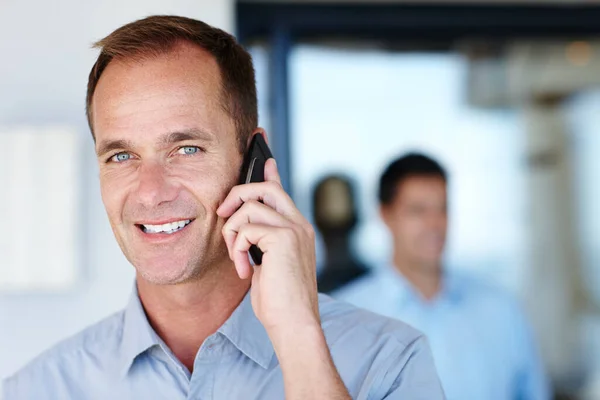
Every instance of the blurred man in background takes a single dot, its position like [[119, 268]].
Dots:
[[482, 344]]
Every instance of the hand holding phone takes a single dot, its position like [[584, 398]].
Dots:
[[284, 285]]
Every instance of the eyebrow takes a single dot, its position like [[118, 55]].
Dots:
[[188, 134], [110, 145], [170, 138]]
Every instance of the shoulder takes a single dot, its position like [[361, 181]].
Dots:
[[498, 311], [485, 294], [341, 318], [93, 347], [374, 353], [362, 334]]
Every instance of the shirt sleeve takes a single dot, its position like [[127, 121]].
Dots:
[[411, 374]]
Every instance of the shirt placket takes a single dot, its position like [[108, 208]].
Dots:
[[205, 367]]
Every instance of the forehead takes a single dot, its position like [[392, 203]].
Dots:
[[177, 90], [421, 187]]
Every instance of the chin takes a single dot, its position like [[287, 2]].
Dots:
[[161, 279], [434, 261], [168, 272]]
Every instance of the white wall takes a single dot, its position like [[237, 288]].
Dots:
[[45, 57]]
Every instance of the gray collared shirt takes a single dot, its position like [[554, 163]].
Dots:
[[122, 357]]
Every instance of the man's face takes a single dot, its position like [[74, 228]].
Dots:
[[168, 154], [417, 219]]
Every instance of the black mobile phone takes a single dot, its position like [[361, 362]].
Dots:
[[253, 170]]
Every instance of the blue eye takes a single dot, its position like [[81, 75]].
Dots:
[[189, 150], [120, 157]]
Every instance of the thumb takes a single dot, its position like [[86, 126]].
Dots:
[[271, 171]]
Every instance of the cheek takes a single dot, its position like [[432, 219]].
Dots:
[[211, 195], [111, 202], [443, 223], [209, 183], [113, 192], [410, 226]]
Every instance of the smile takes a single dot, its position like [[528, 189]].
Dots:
[[169, 228]]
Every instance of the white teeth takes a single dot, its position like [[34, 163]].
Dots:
[[167, 228]]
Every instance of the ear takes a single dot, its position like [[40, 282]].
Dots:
[[260, 131]]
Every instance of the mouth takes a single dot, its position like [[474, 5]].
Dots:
[[168, 228]]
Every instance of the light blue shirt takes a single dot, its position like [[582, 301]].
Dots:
[[481, 343], [123, 358]]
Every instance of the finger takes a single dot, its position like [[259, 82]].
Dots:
[[250, 212], [271, 193], [271, 171], [248, 235], [242, 264]]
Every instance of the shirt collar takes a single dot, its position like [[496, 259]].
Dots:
[[242, 329], [137, 336], [451, 289], [245, 331]]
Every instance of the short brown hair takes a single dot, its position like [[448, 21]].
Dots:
[[407, 166], [157, 35]]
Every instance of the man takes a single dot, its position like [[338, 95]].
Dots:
[[481, 343], [171, 103]]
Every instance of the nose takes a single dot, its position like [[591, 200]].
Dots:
[[154, 186]]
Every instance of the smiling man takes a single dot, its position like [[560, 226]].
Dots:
[[171, 103]]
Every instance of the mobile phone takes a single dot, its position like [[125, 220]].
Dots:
[[253, 170]]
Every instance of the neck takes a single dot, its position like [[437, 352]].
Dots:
[[338, 255], [425, 278], [185, 314]]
